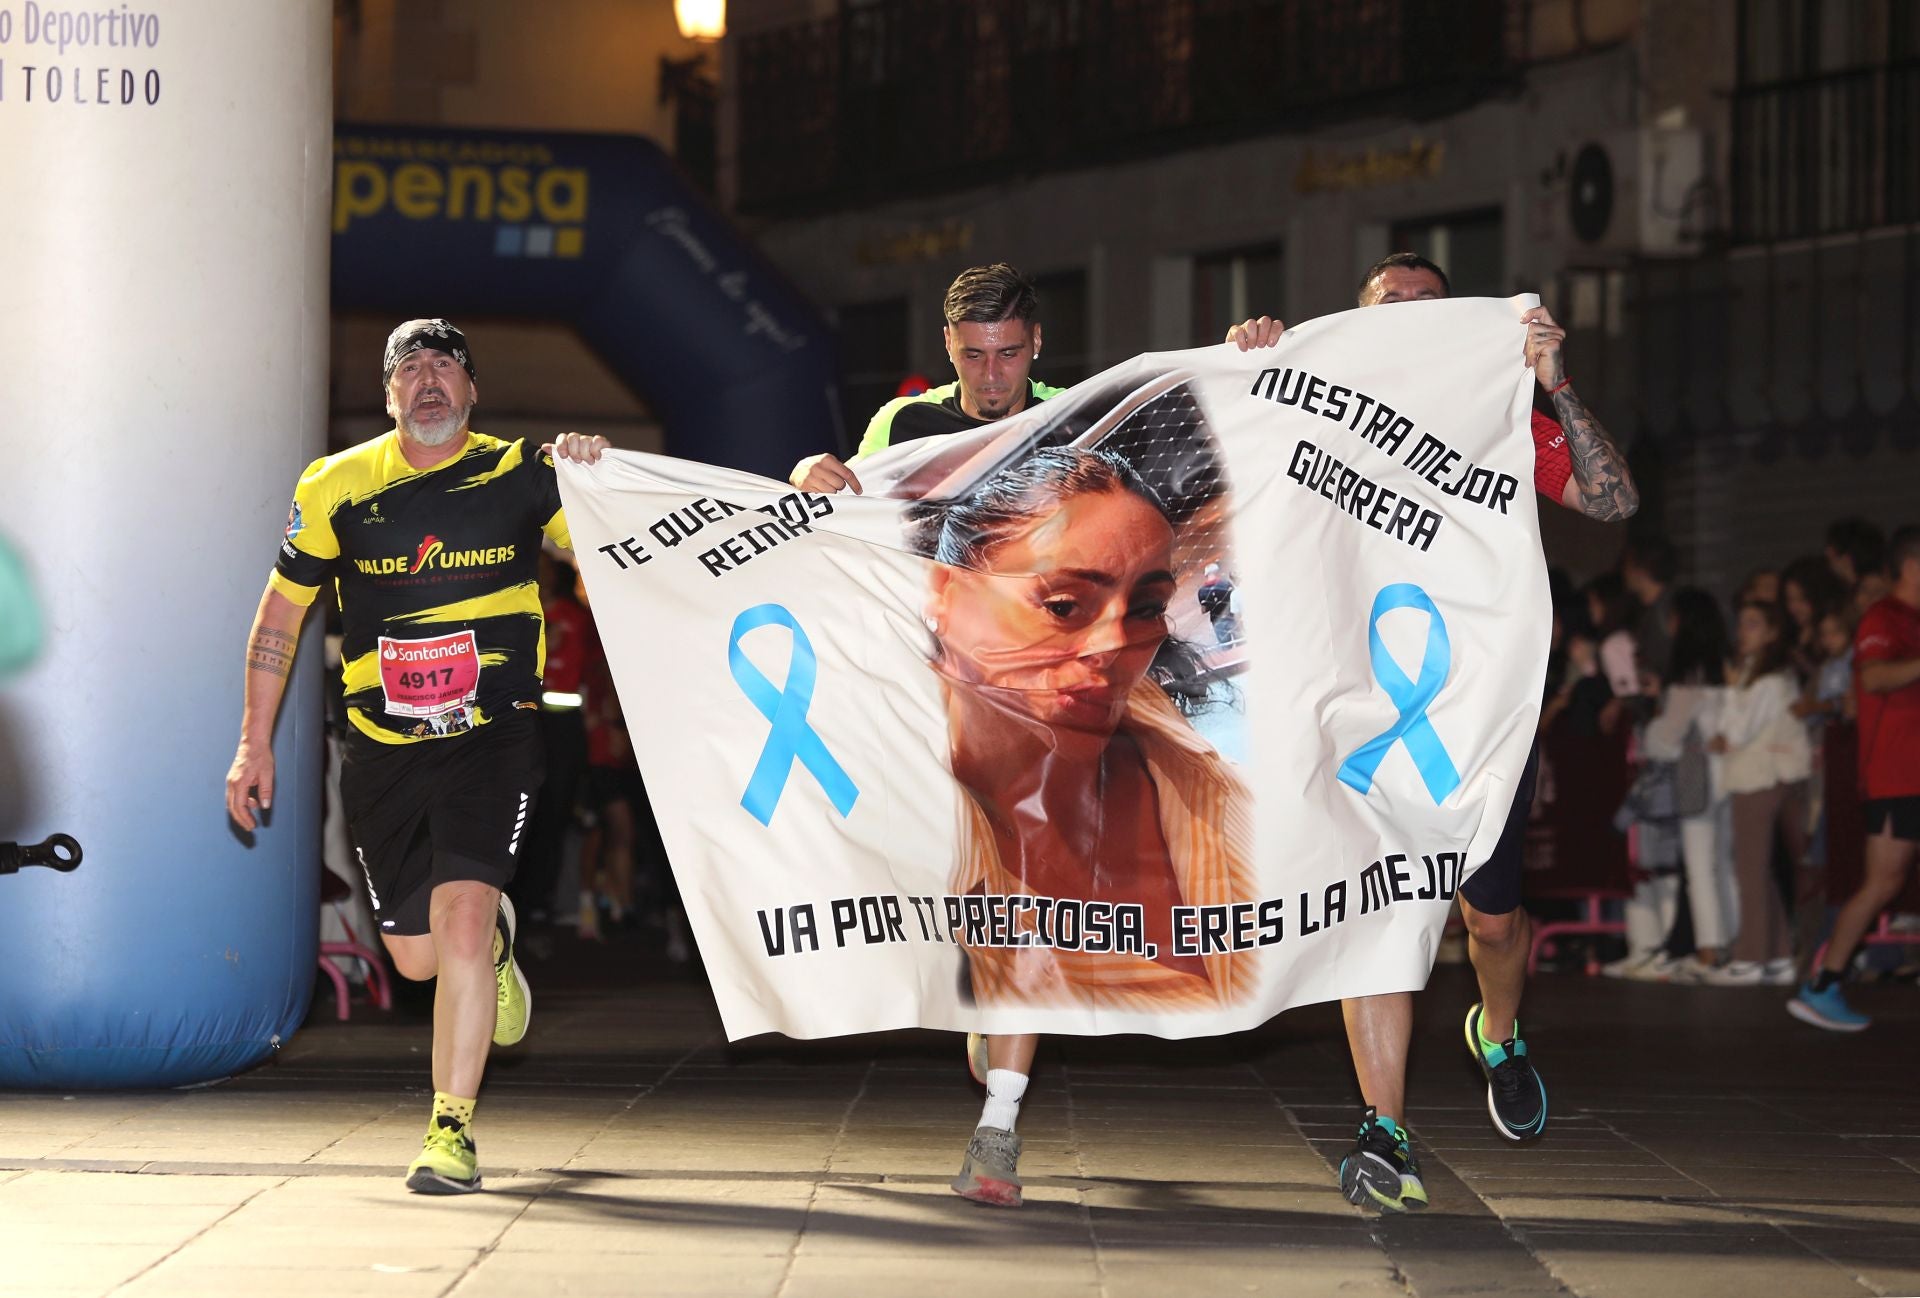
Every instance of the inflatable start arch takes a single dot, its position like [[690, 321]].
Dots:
[[601, 232]]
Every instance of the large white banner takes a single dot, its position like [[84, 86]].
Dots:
[[1180, 699]]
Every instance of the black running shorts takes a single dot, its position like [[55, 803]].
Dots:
[[1898, 816], [439, 811], [1494, 888]]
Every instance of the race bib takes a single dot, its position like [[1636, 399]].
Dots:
[[424, 678]]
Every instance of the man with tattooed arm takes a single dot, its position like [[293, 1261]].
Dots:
[[1577, 464]]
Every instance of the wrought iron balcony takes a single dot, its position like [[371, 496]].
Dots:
[[904, 96]]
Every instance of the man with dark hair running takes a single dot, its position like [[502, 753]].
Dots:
[[1576, 464], [1886, 677], [430, 534], [992, 336]]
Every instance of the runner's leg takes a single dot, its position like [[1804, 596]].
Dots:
[[1379, 1029], [990, 1171], [464, 1002], [1013, 1053], [1381, 1170], [1820, 1000], [1497, 945], [1887, 861]]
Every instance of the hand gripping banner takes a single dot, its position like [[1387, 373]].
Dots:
[[1182, 698]]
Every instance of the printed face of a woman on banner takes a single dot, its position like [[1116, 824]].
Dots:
[[1069, 611]]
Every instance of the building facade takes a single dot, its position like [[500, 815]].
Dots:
[[1718, 200], [563, 65]]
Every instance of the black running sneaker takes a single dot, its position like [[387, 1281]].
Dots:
[[1516, 1097], [1381, 1170]]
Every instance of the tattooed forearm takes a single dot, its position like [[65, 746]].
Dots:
[[1600, 472], [271, 651]]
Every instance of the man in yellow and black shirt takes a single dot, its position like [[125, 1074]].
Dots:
[[430, 535]]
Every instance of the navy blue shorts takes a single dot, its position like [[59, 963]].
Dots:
[[1494, 888]]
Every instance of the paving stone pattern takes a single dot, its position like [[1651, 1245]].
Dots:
[[1701, 1143]]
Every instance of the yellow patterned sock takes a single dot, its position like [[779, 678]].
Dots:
[[452, 1106]]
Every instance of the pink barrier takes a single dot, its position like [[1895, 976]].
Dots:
[[376, 969], [1573, 851]]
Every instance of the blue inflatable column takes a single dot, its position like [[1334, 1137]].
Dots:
[[163, 366]]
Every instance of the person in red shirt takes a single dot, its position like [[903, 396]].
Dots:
[[1576, 464], [1886, 679]]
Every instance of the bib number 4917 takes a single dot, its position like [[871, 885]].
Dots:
[[423, 678]]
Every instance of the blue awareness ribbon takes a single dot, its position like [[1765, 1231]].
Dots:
[[791, 735], [1411, 697]]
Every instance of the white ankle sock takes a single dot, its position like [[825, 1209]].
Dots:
[[1004, 1089]]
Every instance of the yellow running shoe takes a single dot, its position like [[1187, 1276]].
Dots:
[[514, 1005], [448, 1163]]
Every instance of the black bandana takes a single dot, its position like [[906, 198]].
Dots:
[[431, 335]]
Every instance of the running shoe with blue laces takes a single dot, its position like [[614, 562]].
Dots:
[[1516, 1097]]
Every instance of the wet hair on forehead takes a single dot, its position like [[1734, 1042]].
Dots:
[[990, 294], [1402, 261], [964, 531]]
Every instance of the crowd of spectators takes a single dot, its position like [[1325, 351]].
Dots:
[[1730, 726]]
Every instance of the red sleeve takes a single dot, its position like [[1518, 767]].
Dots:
[[1552, 466], [1876, 639]]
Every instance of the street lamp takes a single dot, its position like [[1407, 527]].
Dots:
[[687, 85], [701, 20]]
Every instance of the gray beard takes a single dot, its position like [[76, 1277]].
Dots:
[[440, 431]]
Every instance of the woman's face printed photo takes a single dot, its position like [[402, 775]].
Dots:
[[1069, 613]]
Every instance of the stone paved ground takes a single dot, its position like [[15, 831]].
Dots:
[[1702, 1143]]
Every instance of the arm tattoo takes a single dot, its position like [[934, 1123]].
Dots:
[[271, 651], [1600, 472]]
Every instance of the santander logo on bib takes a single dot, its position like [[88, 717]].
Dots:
[[423, 678]]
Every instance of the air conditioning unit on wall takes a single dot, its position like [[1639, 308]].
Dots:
[[1634, 193]]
